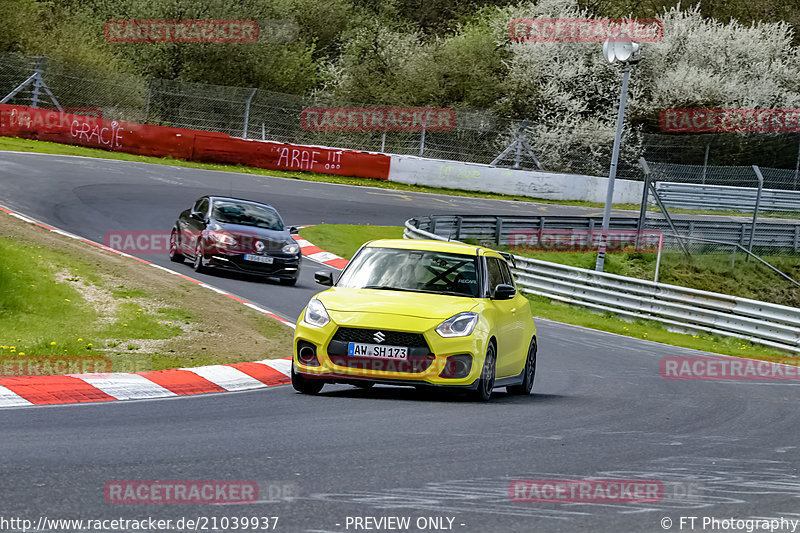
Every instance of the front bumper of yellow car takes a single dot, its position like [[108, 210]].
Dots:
[[322, 352]]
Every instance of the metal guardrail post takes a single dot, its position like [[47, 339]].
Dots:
[[755, 209], [147, 102], [645, 195], [669, 219], [797, 165], [422, 138], [247, 113], [658, 257]]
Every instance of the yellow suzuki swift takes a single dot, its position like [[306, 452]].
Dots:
[[419, 313]]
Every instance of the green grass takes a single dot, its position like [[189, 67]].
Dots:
[[60, 297], [41, 316], [345, 239]]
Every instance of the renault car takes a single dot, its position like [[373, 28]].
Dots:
[[239, 235], [419, 313]]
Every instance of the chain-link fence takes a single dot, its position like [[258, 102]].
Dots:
[[479, 135]]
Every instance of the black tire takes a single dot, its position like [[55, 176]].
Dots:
[[486, 382], [198, 265], [174, 255], [525, 388], [306, 386], [288, 281]]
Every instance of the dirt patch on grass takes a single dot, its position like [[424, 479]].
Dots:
[[213, 328]]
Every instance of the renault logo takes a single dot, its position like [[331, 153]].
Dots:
[[379, 336], [259, 246]]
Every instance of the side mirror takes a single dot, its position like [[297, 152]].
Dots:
[[504, 292], [293, 230], [324, 278]]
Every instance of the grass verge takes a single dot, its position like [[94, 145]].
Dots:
[[344, 240], [61, 297]]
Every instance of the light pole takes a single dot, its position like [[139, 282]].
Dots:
[[628, 53]]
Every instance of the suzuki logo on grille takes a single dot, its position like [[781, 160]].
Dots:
[[379, 336], [259, 246]]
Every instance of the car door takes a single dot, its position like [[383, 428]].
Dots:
[[521, 318], [195, 225], [506, 326]]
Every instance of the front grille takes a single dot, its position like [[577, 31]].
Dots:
[[391, 338], [412, 365]]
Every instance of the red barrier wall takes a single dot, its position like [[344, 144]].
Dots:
[[193, 145]]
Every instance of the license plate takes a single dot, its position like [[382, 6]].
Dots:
[[377, 350], [258, 258]]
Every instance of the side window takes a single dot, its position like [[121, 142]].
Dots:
[[494, 272], [196, 206], [508, 278], [203, 206]]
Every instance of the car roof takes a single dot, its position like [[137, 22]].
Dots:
[[433, 246]]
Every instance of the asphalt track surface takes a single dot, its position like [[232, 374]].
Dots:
[[599, 410]]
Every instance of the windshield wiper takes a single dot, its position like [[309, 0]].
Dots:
[[388, 288]]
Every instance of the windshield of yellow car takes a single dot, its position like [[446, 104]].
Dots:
[[413, 270]]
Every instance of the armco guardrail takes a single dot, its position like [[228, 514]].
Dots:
[[677, 308], [696, 196], [497, 229]]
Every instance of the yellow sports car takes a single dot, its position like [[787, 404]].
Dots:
[[420, 313]]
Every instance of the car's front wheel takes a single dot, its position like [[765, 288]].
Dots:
[[199, 266], [486, 381], [530, 373], [288, 281], [174, 253], [306, 386]]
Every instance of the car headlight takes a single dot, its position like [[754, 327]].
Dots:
[[316, 315], [291, 248], [459, 325], [222, 238]]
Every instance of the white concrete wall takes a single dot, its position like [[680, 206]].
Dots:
[[476, 177]]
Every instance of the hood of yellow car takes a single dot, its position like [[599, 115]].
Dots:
[[416, 304]]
